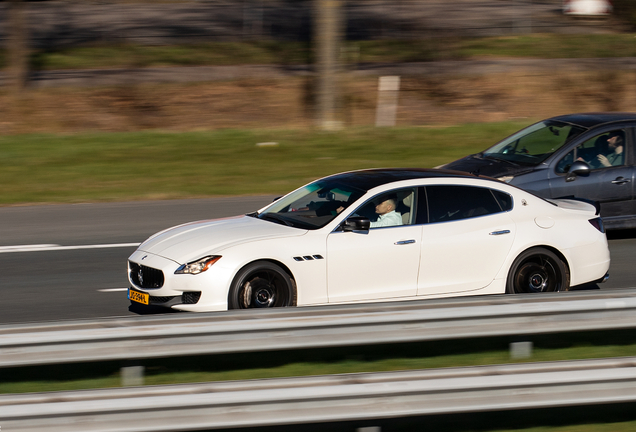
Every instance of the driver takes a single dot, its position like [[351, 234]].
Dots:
[[387, 214]]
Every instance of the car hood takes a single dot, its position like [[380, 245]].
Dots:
[[191, 241], [489, 167]]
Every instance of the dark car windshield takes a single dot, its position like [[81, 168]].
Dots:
[[312, 206], [534, 144]]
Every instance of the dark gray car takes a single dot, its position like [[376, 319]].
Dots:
[[588, 156]]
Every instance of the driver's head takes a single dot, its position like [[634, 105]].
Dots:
[[614, 140], [386, 205]]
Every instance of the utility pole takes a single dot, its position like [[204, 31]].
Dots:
[[328, 23], [18, 49]]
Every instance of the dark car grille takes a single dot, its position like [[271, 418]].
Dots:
[[186, 298], [145, 277], [160, 300]]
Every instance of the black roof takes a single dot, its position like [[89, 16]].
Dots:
[[590, 120], [370, 178]]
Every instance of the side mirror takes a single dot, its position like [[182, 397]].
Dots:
[[356, 223], [578, 168]]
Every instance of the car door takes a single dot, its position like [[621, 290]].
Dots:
[[611, 186], [380, 263], [466, 240]]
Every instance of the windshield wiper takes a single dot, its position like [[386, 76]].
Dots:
[[276, 218], [488, 156]]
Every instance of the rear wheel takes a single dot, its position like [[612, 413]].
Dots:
[[538, 270], [262, 284]]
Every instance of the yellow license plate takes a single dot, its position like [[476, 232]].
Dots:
[[138, 297]]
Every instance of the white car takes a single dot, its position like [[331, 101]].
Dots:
[[442, 233]]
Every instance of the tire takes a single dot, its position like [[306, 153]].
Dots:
[[538, 270], [262, 284]]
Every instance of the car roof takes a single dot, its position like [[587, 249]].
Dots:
[[370, 178], [590, 120]]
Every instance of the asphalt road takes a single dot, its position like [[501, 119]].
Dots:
[[85, 275], [83, 278]]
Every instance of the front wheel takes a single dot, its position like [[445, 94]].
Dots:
[[538, 270], [262, 284]]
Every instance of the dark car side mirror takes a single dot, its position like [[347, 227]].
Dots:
[[356, 223], [578, 168]]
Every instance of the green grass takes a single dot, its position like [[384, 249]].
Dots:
[[552, 46], [294, 53], [129, 55], [158, 165]]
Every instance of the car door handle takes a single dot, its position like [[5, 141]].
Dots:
[[404, 242], [500, 232], [620, 180]]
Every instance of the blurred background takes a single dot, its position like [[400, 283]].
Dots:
[[123, 65]]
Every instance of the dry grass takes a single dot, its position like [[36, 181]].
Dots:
[[273, 103]]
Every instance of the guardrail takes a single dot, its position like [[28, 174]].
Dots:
[[331, 398], [313, 327]]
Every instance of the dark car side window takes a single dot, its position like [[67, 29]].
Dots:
[[602, 151], [450, 203]]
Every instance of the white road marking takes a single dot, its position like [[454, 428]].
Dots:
[[112, 289], [56, 247]]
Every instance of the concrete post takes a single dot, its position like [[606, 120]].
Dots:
[[386, 111]]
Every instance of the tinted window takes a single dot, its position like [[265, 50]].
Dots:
[[392, 208], [449, 203], [602, 151], [504, 200]]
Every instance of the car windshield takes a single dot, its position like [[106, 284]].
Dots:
[[312, 206], [534, 144]]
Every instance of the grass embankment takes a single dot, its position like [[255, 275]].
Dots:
[[157, 165], [544, 46]]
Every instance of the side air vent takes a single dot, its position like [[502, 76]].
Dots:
[[308, 258]]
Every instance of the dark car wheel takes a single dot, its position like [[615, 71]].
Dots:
[[537, 270], [262, 284]]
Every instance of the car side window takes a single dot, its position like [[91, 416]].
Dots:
[[451, 203], [394, 208], [504, 200], [602, 151]]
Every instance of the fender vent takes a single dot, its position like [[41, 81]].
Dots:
[[308, 258]]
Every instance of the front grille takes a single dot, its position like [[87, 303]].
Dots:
[[145, 277], [185, 298], [159, 300]]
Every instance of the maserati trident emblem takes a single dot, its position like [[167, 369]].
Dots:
[[140, 277]]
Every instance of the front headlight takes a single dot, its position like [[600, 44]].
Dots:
[[198, 266], [506, 179]]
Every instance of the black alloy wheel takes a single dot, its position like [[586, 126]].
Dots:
[[262, 284], [538, 270]]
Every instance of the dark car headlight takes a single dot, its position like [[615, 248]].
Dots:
[[198, 266]]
